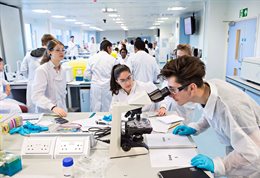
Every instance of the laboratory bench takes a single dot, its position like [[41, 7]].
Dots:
[[250, 88], [130, 167]]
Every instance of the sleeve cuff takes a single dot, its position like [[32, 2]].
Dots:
[[50, 106], [163, 106], [195, 126], [219, 167]]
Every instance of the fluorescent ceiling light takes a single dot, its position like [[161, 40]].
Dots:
[[85, 25], [42, 11], [96, 28], [175, 8], [156, 24], [163, 18], [153, 27], [113, 15], [159, 21], [58, 16], [109, 10], [70, 20], [119, 22], [79, 23]]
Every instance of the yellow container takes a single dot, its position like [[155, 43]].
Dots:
[[79, 64]]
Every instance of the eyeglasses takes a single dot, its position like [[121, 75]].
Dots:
[[176, 90], [123, 81]]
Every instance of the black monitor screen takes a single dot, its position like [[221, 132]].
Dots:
[[189, 25]]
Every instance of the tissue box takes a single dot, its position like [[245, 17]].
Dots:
[[10, 163]]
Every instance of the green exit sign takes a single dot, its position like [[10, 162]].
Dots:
[[243, 12]]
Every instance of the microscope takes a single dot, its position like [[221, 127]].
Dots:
[[130, 141]]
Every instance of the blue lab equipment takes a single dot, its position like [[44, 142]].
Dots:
[[11, 163], [203, 162], [107, 118], [184, 130]]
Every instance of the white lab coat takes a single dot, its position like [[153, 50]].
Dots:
[[126, 62], [98, 71], [49, 88], [138, 86], [235, 117], [144, 67], [7, 105], [93, 48], [72, 49], [28, 67]]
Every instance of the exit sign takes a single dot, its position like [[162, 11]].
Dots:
[[243, 12]]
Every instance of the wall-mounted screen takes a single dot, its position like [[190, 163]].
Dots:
[[189, 25]]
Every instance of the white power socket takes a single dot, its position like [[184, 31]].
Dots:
[[41, 146], [56, 146], [74, 146]]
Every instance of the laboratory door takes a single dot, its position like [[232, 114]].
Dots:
[[241, 44]]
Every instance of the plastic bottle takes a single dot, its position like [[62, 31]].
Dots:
[[67, 167], [79, 75]]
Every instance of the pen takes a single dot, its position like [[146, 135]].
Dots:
[[93, 114], [174, 125]]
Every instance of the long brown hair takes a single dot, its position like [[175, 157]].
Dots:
[[50, 46]]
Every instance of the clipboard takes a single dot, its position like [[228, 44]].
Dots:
[[189, 172]]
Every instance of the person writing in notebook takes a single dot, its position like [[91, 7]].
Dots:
[[233, 115]]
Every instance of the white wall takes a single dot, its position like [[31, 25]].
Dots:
[[215, 41], [112, 35], [196, 40]]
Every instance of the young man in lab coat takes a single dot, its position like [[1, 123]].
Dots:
[[233, 115], [30, 63], [144, 66], [72, 48], [98, 71]]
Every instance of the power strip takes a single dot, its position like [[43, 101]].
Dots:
[[55, 146]]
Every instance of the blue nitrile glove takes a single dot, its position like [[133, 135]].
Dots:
[[28, 128], [107, 118], [203, 162], [184, 130]]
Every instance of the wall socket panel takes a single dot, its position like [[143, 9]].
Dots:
[[52, 147]]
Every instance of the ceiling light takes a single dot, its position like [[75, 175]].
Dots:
[[156, 24], [113, 15], [175, 8], [85, 25], [119, 22], [96, 28], [42, 11], [163, 18], [109, 10], [159, 21], [79, 23], [58, 16], [70, 20], [153, 27]]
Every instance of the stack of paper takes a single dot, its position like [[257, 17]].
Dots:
[[168, 141], [172, 157], [170, 118]]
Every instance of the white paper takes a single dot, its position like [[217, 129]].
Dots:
[[159, 126], [170, 118], [172, 157], [168, 141], [90, 122], [31, 117]]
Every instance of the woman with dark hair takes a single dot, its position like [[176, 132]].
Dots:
[[98, 71], [49, 85], [123, 87]]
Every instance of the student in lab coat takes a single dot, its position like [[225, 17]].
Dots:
[[73, 49], [233, 115], [144, 66], [49, 85], [124, 59], [6, 105], [99, 71], [30, 63], [124, 87]]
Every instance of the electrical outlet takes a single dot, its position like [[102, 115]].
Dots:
[[75, 146], [41, 147]]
